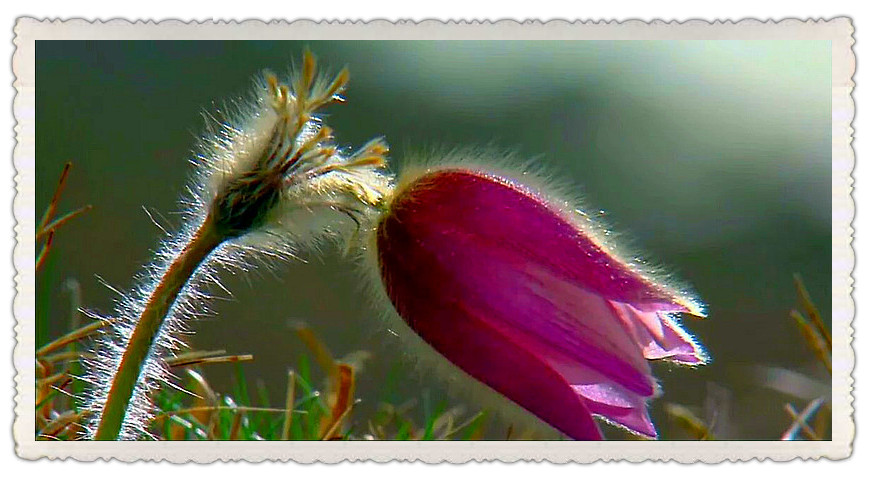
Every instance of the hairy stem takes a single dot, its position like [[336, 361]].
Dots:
[[204, 241]]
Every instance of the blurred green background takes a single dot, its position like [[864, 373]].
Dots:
[[712, 157]]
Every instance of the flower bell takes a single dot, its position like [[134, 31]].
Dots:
[[512, 287]]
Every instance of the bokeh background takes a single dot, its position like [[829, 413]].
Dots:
[[712, 157]]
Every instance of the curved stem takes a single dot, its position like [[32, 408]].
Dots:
[[206, 239]]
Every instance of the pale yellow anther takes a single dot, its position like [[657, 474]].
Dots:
[[278, 92], [368, 195], [332, 92], [308, 67], [379, 149], [339, 82], [303, 83], [328, 152], [324, 133], [375, 160], [272, 81], [282, 99]]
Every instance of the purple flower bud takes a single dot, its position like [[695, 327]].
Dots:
[[512, 287]]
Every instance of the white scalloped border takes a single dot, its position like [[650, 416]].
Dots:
[[838, 30]]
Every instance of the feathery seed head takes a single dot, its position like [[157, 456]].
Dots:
[[289, 160], [262, 176]]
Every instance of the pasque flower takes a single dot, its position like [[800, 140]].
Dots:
[[515, 288]]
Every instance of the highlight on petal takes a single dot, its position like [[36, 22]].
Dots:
[[618, 407], [506, 286], [660, 336]]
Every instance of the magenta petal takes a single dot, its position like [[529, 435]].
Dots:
[[525, 223], [608, 399], [619, 407], [517, 295], [431, 302], [554, 319], [660, 336], [583, 329]]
